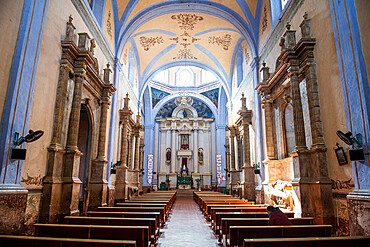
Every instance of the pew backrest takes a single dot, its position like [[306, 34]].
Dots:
[[239, 233], [309, 242]]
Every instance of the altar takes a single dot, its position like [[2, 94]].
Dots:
[[184, 182]]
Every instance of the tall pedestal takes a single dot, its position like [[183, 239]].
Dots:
[[98, 185], [13, 202], [313, 190], [173, 178], [120, 193], [71, 183], [248, 186], [358, 210], [52, 187]]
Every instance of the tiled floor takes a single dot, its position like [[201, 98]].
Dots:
[[187, 226]]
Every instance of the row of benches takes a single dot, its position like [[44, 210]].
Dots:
[[242, 223], [136, 222]]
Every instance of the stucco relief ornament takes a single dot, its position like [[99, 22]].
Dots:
[[224, 41], [187, 21], [146, 43], [185, 54], [264, 22]]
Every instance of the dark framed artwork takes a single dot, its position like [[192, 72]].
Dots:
[[341, 155]]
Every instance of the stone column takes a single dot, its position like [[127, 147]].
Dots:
[[173, 151], [227, 146], [248, 187], [121, 193], [71, 182], [232, 146], [98, 174], [137, 145], [60, 103], [293, 71], [130, 150], [195, 151], [270, 140]]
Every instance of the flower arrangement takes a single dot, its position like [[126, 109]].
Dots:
[[238, 183]]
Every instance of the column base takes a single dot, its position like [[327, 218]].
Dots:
[[358, 210], [13, 202]]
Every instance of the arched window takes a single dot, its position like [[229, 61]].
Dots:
[[185, 77], [288, 123]]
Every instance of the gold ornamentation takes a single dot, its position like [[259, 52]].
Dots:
[[184, 100], [151, 41], [224, 41], [185, 54], [187, 21]]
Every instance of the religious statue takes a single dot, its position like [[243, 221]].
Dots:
[[168, 155], [185, 114], [200, 155]]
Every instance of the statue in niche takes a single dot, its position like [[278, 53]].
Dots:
[[200, 155], [184, 113], [168, 155]]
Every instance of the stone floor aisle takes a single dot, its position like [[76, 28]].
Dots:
[[186, 225]]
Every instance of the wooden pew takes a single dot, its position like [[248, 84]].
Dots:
[[213, 210], [309, 242], [209, 207], [11, 240], [136, 209], [85, 220], [220, 215], [144, 204], [155, 215], [239, 233], [227, 222], [138, 233]]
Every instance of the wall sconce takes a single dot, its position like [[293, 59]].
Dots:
[[113, 170], [31, 137], [20, 153], [354, 154]]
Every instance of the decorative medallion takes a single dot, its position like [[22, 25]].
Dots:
[[185, 54], [224, 41], [151, 41], [187, 21], [185, 39]]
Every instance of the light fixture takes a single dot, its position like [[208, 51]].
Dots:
[[349, 140], [31, 137]]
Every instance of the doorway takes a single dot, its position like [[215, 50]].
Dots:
[[84, 145]]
